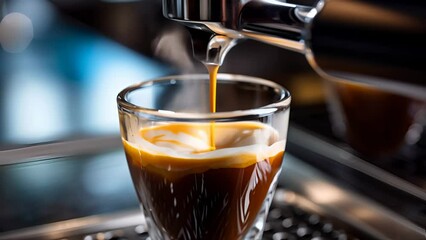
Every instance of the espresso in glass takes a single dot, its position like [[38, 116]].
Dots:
[[203, 175]]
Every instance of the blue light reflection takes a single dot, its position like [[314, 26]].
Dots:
[[66, 85]]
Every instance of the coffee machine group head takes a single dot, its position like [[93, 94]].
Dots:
[[210, 22], [376, 42]]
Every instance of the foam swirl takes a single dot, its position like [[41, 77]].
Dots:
[[187, 145]]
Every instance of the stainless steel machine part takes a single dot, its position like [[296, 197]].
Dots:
[[374, 42]]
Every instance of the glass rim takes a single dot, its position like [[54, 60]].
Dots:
[[283, 102]]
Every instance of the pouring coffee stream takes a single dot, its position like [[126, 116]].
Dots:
[[380, 43], [213, 69]]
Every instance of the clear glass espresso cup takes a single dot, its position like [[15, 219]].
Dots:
[[203, 175]]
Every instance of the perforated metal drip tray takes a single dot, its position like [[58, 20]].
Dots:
[[294, 217], [291, 217]]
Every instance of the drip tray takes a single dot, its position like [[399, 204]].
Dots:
[[291, 216]]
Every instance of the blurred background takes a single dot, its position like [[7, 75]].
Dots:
[[62, 63], [72, 57]]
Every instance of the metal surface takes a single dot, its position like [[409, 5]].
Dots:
[[343, 157], [399, 196], [375, 42], [345, 205], [58, 149], [274, 22], [79, 227]]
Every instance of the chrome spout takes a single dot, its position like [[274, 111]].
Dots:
[[210, 48], [380, 43], [270, 21], [275, 21]]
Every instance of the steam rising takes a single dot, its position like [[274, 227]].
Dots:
[[170, 46]]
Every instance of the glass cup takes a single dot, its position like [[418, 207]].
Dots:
[[203, 175], [374, 122]]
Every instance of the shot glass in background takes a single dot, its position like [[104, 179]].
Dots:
[[373, 122], [203, 175]]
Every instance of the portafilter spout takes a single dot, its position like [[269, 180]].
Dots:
[[381, 43], [210, 48], [216, 26]]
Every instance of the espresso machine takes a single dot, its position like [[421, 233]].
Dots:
[[374, 42], [78, 186]]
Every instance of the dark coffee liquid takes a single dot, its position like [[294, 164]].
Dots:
[[202, 198], [376, 121]]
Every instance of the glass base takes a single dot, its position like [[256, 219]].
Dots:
[[255, 232]]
